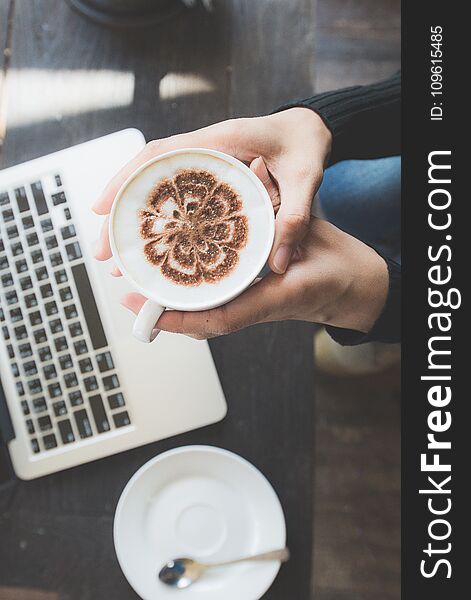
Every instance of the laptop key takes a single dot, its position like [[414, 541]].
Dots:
[[12, 232], [30, 426], [6, 333], [40, 337], [26, 283], [11, 351], [35, 386], [30, 368], [71, 311], [28, 222], [51, 308], [41, 273], [75, 398], [21, 199], [35, 445], [116, 400], [4, 198], [65, 430], [45, 423], [16, 315], [45, 354], [11, 297], [25, 350], [46, 225], [37, 256], [73, 251], [121, 419], [32, 239], [65, 362], [85, 365], [105, 362], [54, 390], [68, 232], [70, 380], [39, 199], [80, 347], [51, 242], [15, 369], [98, 412], [20, 390], [61, 276], [17, 249], [7, 280], [25, 408], [39, 405], [50, 372], [75, 329], [31, 300], [90, 383], [8, 215], [61, 344], [20, 332], [58, 180], [56, 326], [3, 263], [49, 442], [58, 198], [89, 307], [21, 266], [65, 294], [46, 291], [35, 318], [111, 382], [56, 259], [60, 409], [83, 423]]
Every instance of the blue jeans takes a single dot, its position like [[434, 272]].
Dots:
[[363, 198]]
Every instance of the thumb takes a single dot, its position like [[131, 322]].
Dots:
[[293, 218]]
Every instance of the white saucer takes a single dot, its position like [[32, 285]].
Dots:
[[198, 502]]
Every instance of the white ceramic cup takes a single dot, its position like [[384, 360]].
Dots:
[[206, 296]]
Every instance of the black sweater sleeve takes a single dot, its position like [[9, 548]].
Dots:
[[365, 123], [364, 120]]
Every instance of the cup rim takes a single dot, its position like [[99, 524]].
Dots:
[[247, 280]]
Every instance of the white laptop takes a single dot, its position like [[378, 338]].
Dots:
[[75, 385]]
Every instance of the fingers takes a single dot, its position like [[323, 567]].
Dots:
[[223, 136], [259, 168], [103, 249], [292, 219], [260, 303]]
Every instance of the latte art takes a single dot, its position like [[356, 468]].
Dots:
[[193, 228]]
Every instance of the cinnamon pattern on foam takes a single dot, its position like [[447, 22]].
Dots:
[[193, 227]]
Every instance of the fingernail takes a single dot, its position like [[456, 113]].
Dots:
[[282, 258]]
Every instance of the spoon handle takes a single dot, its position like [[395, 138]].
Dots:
[[282, 555]]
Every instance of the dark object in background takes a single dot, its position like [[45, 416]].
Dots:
[[128, 13]]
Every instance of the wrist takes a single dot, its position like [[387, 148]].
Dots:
[[363, 291]]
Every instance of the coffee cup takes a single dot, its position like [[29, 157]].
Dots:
[[190, 229]]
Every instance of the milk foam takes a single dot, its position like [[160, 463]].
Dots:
[[129, 242]]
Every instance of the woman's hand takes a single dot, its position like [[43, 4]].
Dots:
[[335, 279], [294, 145]]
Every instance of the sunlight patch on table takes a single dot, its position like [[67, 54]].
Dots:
[[43, 95], [176, 85]]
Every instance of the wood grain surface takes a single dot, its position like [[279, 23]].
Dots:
[[56, 532]]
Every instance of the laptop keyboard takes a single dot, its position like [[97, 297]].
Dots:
[[64, 372]]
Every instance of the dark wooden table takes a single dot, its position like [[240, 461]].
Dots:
[[244, 58]]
